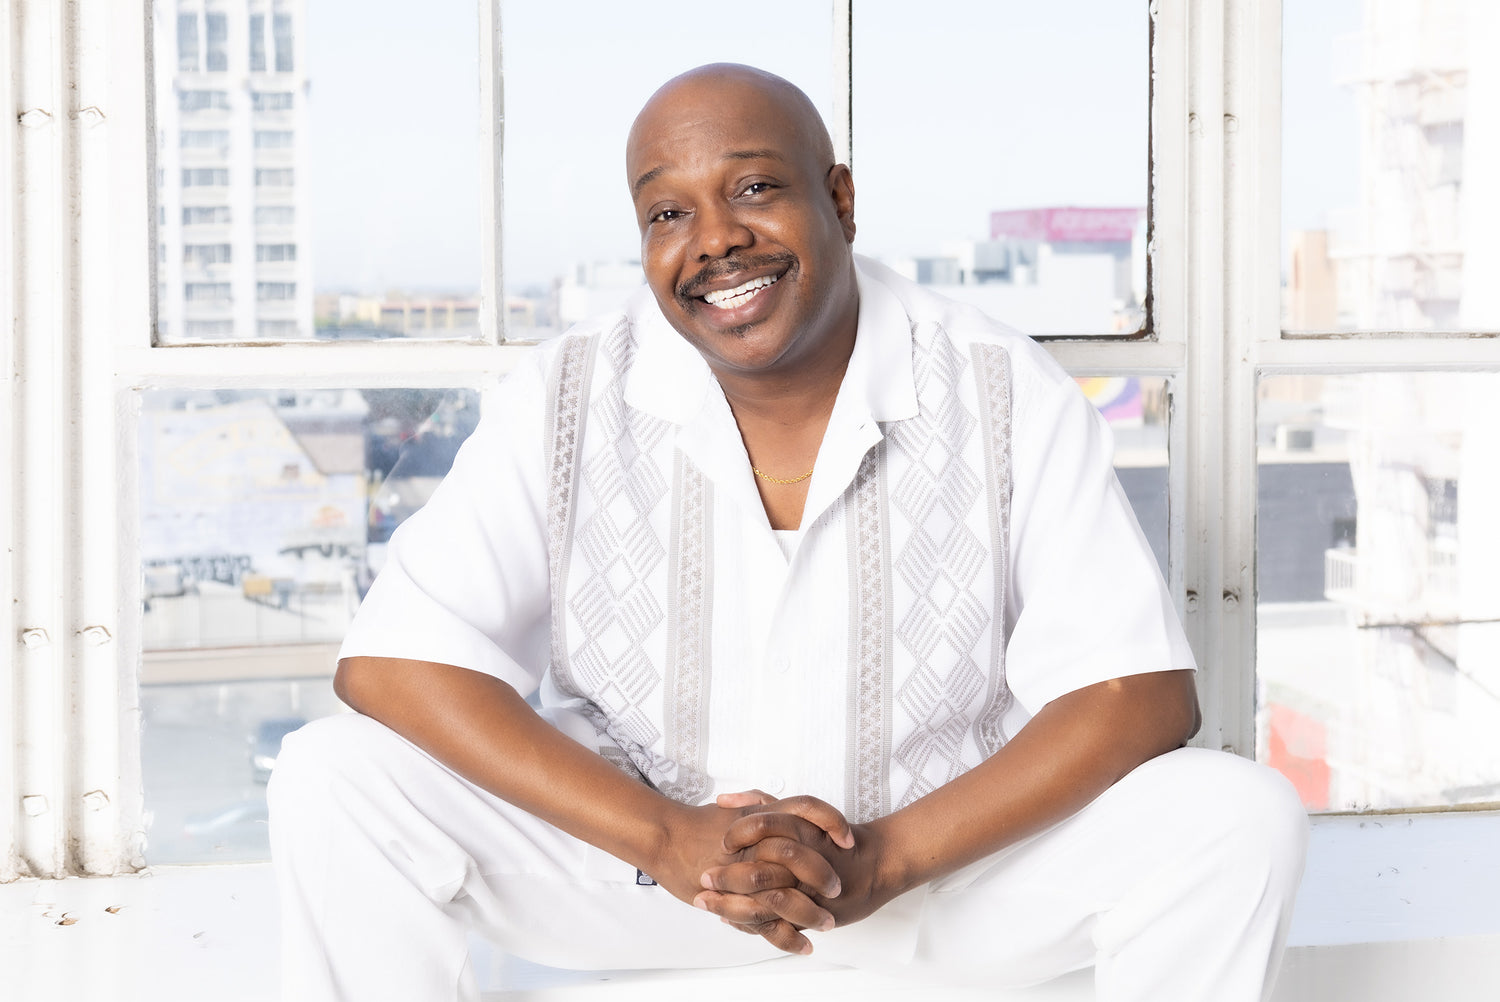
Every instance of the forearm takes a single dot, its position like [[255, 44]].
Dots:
[[483, 730], [1073, 750]]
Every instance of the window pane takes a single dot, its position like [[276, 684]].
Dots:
[[1390, 166], [372, 175], [264, 516], [1000, 153], [1378, 640], [571, 244], [187, 42], [218, 42], [257, 43], [1137, 408]]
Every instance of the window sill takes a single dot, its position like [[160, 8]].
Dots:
[[1391, 905]]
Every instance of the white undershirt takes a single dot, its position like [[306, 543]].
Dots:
[[787, 538]]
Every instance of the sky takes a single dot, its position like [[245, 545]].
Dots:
[[1027, 105]]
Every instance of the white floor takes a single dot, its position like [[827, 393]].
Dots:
[[1392, 908]]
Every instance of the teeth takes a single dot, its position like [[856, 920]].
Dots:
[[728, 299]]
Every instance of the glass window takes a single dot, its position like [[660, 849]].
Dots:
[[373, 137], [257, 43], [265, 291], [572, 248], [271, 100], [202, 215], [1137, 409], [215, 292], [203, 100], [275, 252], [187, 43], [1026, 135], [217, 51], [1391, 203], [274, 140], [197, 139], [284, 55], [279, 177], [1378, 636], [264, 515], [202, 254], [205, 177]]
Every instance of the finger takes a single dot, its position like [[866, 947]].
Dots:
[[758, 912], [749, 876], [823, 814], [753, 825], [785, 937], [747, 798], [804, 865]]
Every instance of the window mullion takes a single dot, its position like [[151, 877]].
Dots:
[[491, 173], [10, 191], [44, 431], [335, 364], [1214, 636], [843, 81]]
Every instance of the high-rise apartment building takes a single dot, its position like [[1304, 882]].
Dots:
[[1419, 251], [233, 255]]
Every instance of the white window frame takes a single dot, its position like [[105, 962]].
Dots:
[[76, 169]]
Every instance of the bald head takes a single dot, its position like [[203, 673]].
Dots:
[[747, 224], [727, 90]]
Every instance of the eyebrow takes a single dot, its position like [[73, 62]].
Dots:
[[655, 172]]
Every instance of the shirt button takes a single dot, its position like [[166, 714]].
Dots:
[[775, 785], [781, 665]]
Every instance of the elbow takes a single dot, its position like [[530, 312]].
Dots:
[[346, 682], [1185, 718]]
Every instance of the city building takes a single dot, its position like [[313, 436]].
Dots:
[[1386, 694], [1413, 255], [233, 255], [1055, 270]]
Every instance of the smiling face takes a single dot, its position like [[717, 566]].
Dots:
[[745, 222]]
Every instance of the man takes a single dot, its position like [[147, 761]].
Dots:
[[785, 525]]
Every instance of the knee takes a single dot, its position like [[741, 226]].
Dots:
[[319, 755], [1249, 811]]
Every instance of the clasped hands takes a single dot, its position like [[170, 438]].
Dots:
[[775, 867]]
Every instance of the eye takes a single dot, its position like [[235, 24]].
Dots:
[[758, 187], [666, 216]]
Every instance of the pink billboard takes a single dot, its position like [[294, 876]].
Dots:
[[1066, 225]]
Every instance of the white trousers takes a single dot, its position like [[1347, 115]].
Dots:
[[1177, 884]]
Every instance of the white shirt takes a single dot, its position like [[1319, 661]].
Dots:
[[966, 555]]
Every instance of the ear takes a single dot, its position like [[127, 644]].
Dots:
[[841, 187]]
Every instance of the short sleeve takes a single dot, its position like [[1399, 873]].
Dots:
[[1087, 602], [466, 578]]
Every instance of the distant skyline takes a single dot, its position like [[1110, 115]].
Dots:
[[1029, 105]]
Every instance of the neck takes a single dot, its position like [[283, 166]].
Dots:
[[799, 394]]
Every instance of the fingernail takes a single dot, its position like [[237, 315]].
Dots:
[[826, 924], [698, 903], [706, 882], [805, 949], [837, 887]]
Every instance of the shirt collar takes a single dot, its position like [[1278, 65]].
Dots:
[[670, 379]]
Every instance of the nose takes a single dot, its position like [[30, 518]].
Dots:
[[720, 232]]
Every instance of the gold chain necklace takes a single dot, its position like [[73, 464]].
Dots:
[[778, 480]]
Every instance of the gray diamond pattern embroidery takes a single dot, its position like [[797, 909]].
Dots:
[[992, 369], [613, 605], [613, 548], [941, 563], [867, 784], [689, 639]]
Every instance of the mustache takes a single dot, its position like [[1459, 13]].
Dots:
[[729, 267]]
